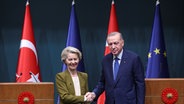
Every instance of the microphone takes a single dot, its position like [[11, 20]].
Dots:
[[33, 76], [18, 76]]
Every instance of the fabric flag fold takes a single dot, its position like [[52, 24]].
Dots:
[[113, 24], [112, 27], [28, 67], [157, 58], [73, 39]]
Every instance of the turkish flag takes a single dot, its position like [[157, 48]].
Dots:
[[113, 27], [28, 68]]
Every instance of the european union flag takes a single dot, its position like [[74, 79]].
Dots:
[[157, 57], [73, 38]]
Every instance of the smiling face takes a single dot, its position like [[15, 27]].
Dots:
[[72, 61], [115, 43], [71, 57]]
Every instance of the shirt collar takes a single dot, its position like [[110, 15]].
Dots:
[[119, 56]]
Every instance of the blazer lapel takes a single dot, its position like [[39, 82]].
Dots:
[[81, 80], [70, 82]]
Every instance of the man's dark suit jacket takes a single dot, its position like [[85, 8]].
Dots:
[[129, 86]]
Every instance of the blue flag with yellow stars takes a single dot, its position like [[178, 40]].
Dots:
[[157, 58], [73, 38]]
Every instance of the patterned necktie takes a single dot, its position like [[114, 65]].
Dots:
[[116, 67]]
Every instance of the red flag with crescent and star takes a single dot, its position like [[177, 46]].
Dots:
[[113, 27], [28, 68]]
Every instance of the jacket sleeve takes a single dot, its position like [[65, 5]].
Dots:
[[139, 79]]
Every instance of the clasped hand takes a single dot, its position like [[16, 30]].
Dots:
[[90, 96]]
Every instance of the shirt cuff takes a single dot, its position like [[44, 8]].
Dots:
[[85, 99]]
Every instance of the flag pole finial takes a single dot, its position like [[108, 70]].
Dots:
[[73, 2], [157, 2], [27, 3], [112, 1]]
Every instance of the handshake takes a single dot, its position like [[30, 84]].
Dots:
[[89, 96]]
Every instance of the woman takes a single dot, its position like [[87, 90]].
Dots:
[[71, 84]]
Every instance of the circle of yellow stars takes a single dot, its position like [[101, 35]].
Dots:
[[157, 52]]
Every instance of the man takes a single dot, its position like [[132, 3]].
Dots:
[[128, 86]]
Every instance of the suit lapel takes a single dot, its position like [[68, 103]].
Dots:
[[110, 67]]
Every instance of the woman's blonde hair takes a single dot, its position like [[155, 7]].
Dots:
[[70, 49]]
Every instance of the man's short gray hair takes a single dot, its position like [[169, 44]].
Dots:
[[114, 33]]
